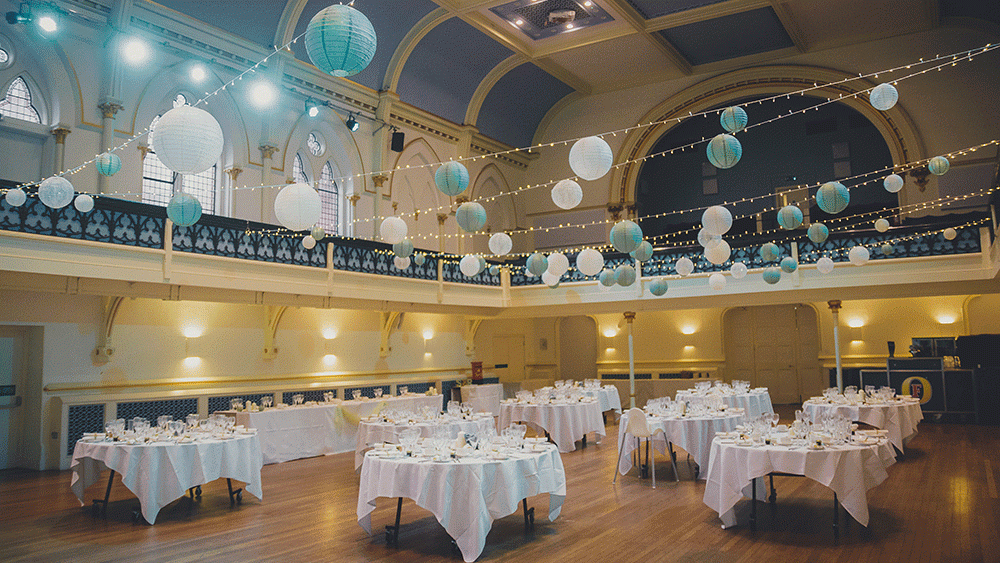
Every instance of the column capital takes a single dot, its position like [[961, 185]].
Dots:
[[60, 134], [379, 180], [110, 109], [267, 151], [834, 305], [629, 316], [442, 217], [143, 151], [616, 211], [234, 173], [353, 198]]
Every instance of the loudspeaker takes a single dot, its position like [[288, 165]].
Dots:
[[398, 139]]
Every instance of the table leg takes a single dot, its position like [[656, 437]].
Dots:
[[107, 495], [529, 516], [836, 517], [238, 493], [392, 532], [753, 505], [773, 496], [584, 440]]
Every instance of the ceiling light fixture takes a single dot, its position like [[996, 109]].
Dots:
[[135, 50], [312, 109], [198, 73], [352, 123]]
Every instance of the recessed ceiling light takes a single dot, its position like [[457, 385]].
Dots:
[[198, 73], [135, 51], [519, 22], [569, 26]]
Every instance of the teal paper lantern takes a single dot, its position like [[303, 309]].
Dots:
[[607, 277], [625, 236], [789, 265], [452, 178], [833, 197], [938, 165], [318, 233], [494, 270], [887, 249], [537, 263], [772, 275], [184, 209], [419, 259], [340, 40], [471, 216], [769, 252], [724, 151], [733, 119], [790, 217], [643, 252], [402, 249], [658, 287], [625, 275], [482, 263], [108, 163], [818, 232]]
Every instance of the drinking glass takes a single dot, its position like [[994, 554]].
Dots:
[[267, 401], [403, 389], [298, 398], [356, 394], [378, 392], [162, 420]]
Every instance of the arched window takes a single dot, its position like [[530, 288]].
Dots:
[[158, 180], [17, 102], [298, 170], [4, 57], [329, 195], [315, 144]]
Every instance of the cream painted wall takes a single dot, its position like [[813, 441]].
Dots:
[[539, 363]]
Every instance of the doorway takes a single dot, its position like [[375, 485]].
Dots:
[[13, 380], [578, 348], [509, 351]]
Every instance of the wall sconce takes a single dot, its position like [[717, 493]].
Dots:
[[855, 322], [329, 333], [192, 362], [611, 332], [428, 334], [193, 330], [329, 359], [946, 319], [688, 329]]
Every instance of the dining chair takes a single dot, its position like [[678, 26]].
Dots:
[[636, 425]]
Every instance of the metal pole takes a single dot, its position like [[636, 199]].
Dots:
[[835, 309], [629, 317]]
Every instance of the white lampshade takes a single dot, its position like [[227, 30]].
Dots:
[[550, 279], [824, 265], [392, 229], [738, 270], [717, 220], [567, 194], [297, 206], [16, 197], [859, 255], [469, 265], [187, 140], [684, 266], [707, 239], [881, 225], [717, 281], [308, 242], [590, 158], [400, 262], [883, 96], [500, 244], [893, 183], [83, 203], [950, 233], [558, 264], [718, 253], [55, 192], [590, 262]]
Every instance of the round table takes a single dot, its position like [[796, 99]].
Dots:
[[755, 403], [565, 422], [692, 433], [379, 432], [899, 417]]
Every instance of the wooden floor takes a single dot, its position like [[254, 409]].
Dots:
[[939, 504]]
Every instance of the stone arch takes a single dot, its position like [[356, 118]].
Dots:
[[49, 74], [501, 211], [412, 190], [409, 42]]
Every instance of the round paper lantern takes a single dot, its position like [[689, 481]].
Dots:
[[403, 248], [108, 163], [83, 203], [558, 264], [818, 232], [340, 40], [419, 259], [684, 266], [883, 97], [471, 216], [589, 262], [184, 209], [625, 236], [400, 262], [469, 265], [590, 158], [318, 233], [536, 264], [859, 255], [482, 263], [724, 151], [733, 119], [789, 265], [15, 197], [707, 239], [528, 274], [451, 178], [881, 225], [297, 207], [567, 194], [718, 253], [308, 242], [887, 248], [643, 252], [55, 192], [950, 233], [500, 244], [392, 229], [938, 165], [717, 220], [625, 275], [658, 287], [187, 140], [893, 183], [607, 277], [550, 279], [717, 281], [824, 265], [772, 275], [790, 217], [769, 252], [833, 197], [494, 270], [738, 270]]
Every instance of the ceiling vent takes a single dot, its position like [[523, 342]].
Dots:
[[561, 16]]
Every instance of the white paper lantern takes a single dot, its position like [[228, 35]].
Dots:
[[187, 140], [738, 270], [297, 207], [469, 265], [550, 279], [590, 262], [401, 263], [590, 158], [707, 239], [893, 183], [308, 242], [55, 192], [500, 244], [881, 225], [83, 203], [859, 255], [528, 274], [392, 229], [684, 266], [717, 281], [718, 253], [883, 97], [824, 265], [16, 197], [950, 233], [717, 220], [558, 264], [567, 194]]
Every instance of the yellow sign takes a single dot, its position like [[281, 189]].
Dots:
[[920, 385]]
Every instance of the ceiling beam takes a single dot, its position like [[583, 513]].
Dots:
[[635, 19], [790, 25], [704, 13]]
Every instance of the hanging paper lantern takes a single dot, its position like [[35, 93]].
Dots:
[[938, 165], [887, 248], [772, 275], [471, 216], [625, 275], [589, 262], [790, 217], [550, 279], [684, 266], [340, 40], [859, 255], [403, 248], [717, 281], [392, 229], [738, 270], [536, 264], [625, 236], [494, 270], [883, 97], [451, 178], [528, 274], [881, 225], [707, 239], [724, 151], [658, 287], [643, 252], [769, 252], [833, 197], [733, 119], [789, 265], [400, 262], [308, 242], [55, 192], [469, 265], [482, 263], [108, 163], [590, 158], [297, 207], [83, 203], [184, 209], [500, 244], [717, 220], [567, 194], [607, 277], [719, 253], [15, 197], [558, 264], [318, 233], [818, 232], [824, 265], [950, 233], [419, 259], [187, 140], [893, 183]]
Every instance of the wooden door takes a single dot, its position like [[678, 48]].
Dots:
[[510, 352]]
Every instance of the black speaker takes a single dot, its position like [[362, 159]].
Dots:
[[398, 139]]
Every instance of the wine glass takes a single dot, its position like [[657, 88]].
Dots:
[[378, 392]]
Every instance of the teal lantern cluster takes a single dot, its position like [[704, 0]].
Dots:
[[769, 252], [452, 178], [818, 232], [108, 163], [643, 252], [340, 40], [625, 275], [403, 248], [733, 119], [772, 275], [658, 287], [724, 151], [625, 236], [789, 265], [790, 217], [471, 216], [184, 209], [537, 263], [833, 197]]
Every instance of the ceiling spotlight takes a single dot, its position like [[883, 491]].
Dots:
[[352, 123], [262, 94], [198, 73], [311, 108], [48, 24], [135, 50]]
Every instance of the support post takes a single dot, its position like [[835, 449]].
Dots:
[[629, 317], [59, 162], [835, 309], [109, 109]]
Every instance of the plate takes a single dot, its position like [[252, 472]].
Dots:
[[815, 447]]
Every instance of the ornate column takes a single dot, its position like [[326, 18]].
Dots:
[[233, 174], [629, 317], [59, 162], [266, 153], [835, 309], [352, 214], [442, 217], [379, 181], [109, 109]]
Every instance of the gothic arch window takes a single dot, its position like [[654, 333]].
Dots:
[[299, 170], [158, 180], [17, 102], [329, 195]]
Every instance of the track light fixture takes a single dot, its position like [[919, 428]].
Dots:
[[47, 17], [352, 123], [312, 108]]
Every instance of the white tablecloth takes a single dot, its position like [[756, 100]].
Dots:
[[608, 398], [899, 418], [327, 428], [160, 473], [694, 434], [465, 496], [483, 398], [755, 403], [565, 422], [849, 470], [371, 433]]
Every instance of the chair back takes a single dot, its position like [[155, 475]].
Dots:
[[637, 425]]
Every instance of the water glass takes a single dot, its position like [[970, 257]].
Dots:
[[298, 399], [356, 394], [378, 392], [403, 389]]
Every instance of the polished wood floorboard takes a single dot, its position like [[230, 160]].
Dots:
[[939, 504]]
